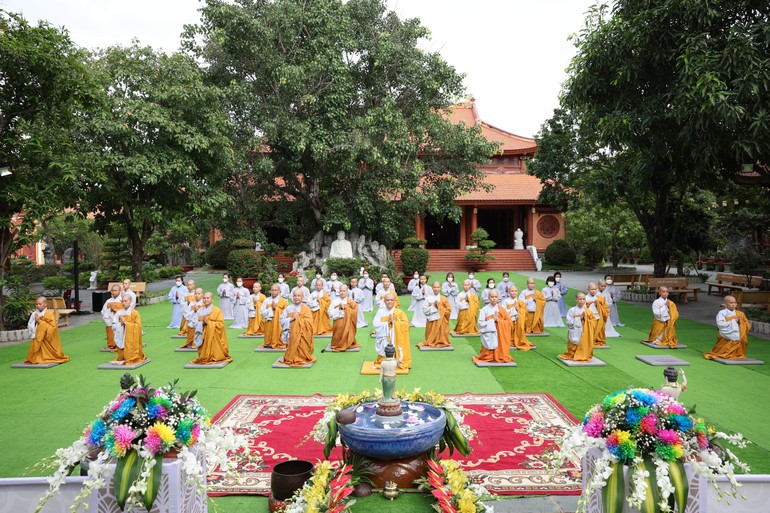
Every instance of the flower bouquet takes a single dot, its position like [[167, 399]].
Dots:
[[137, 428], [456, 434], [328, 490], [654, 436], [453, 489]]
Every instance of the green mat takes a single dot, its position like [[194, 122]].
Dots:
[[42, 410]]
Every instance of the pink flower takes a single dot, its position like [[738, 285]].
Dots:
[[594, 425], [649, 424], [669, 436]]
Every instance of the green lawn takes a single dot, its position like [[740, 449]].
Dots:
[[42, 410]]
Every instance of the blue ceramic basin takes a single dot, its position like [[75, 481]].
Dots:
[[422, 427]]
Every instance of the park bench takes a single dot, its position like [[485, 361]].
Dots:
[[629, 280], [60, 310], [677, 286], [725, 283], [137, 286], [753, 297]]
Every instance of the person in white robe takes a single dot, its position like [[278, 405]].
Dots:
[[127, 290], [413, 283], [312, 301], [333, 287], [204, 310], [357, 295], [284, 287], [551, 313], [609, 329], [419, 294], [451, 289], [241, 297], [301, 287], [383, 289], [563, 291], [503, 286], [320, 278], [475, 284], [614, 293], [485, 293], [176, 297], [366, 285], [226, 293]]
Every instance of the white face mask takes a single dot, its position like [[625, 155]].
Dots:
[[225, 280], [179, 284], [334, 278], [609, 282], [318, 276], [450, 279], [280, 280], [239, 283], [558, 279], [366, 275], [416, 276], [505, 280], [550, 284], [491, 285], [470, 276]]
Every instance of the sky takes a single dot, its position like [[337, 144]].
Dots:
[[514, 53]]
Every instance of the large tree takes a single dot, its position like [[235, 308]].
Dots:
[[340, 113], [44, 85], [663, 98], [158, 146]]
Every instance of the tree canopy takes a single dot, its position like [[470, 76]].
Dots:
[[339, 113], [663, 98]]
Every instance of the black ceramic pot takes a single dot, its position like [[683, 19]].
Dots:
[[288, 477]]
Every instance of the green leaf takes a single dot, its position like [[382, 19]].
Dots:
[[614, 492], [651, 502], [126, 472], [153, 483], [331, 437], [681, 485]]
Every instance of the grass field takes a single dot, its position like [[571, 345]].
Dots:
[[42, 410]]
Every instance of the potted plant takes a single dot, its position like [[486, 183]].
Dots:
[[414, 258], [481, 251], [246, 263]]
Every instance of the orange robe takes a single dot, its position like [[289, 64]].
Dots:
[[214, 348], [732, 349], [273, 326], [46, 346], [189, 330], [400, 334], [467, 319], [322, 325], [344, 328], [300, 347], [256, 323], [519, 334], [600, 337], [665, 330], [437, 332], [132, 351], [504, 328], [183, 325], [583, 351], [534, 323]]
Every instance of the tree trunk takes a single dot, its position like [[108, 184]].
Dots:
[[137, 245], [6, 247]]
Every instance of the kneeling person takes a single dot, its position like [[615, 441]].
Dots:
[[344, 313], [210, 334], [496, 329], [46, 343], [297, 321], [581, 324], [732, 339]]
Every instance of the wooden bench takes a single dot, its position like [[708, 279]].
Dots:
[[753, 297], [629, 280], [724, 283], [60, 310], [678, 286], [137, 286]]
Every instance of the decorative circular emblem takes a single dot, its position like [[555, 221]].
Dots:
[[548, 226]]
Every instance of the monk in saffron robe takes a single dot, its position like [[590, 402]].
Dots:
[[46, 343], [391, 326], [467, 311], [495, 327], [344, 313], [190, 316], [733, 336], [127, 325], [188, 298], [298, 321], [665, 315], [535, 302], [319, 305], [111, 306], [582, 325], [211, 336], [437, 315], [271, 311], [517, 311], [601, 311], [256, 322]]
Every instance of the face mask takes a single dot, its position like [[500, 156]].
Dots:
[[280, 280], [416, 276], [470, 276], [450, 279], [609, 282], [240, 283], [505, 280], [318, 276], [558, 279], [366, 275], [225, 280], [179, 284], [550, 284], [334, 278], [491, 285]]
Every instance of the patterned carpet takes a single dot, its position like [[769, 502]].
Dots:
[[512, 430]]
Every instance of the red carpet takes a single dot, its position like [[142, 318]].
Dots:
[[512, 429]]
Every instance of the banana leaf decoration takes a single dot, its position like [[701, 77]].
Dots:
[[614, 492]]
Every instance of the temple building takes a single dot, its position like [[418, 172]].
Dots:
[[511, 205]]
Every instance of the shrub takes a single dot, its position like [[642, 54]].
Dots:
[[166, 273], [25, 270], [414, 259], [150, 275], [414, 242], [18, 304], [216, 254], [57, 283], [48, 270], [482, 251], [645, 256], [242, 244], [245, 263], [84, 280], [347, 267], [746, 261], [559, 252], [83, 266], [593, 254]]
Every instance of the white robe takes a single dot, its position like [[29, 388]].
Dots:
[[357, 295], [413, 283], [32, 322], [367, 286], [531, 304], [502, 289], [305, 293], [381, 292], [285, 291], [609, 329], [382, 334], [475, 285], [430, 307], [131, 294], [286, 321], [551, 313], [419, 295], [199, 326], [120, 329], [451, 290], [107, 311], [661, 312], [332, 288], [485, 296], [574, 325], [267, 308], [240, 308], [614, 292], [731, 330], [512, 306], [488, 329], [176, 297], [312, 301], [226, 293]]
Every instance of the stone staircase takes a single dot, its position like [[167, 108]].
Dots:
[[454, 260]]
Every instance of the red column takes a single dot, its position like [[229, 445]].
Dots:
[[419, 227]]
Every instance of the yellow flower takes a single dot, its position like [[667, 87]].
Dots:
[[466, 502], [166, 433], [457, 480], [449, 465]]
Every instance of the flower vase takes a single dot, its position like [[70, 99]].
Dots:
[[696, 498], [175, 494]]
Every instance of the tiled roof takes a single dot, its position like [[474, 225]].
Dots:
[[510, 188], [467, 114]]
